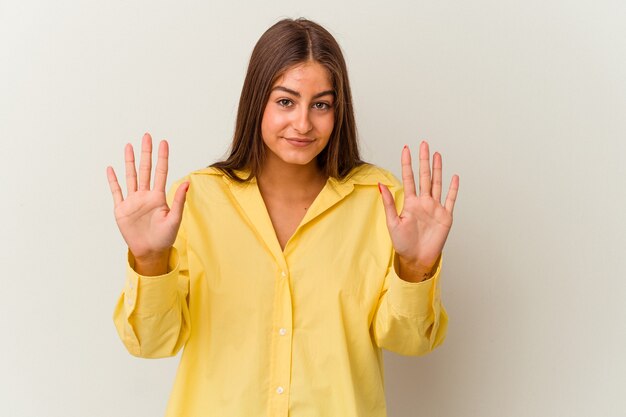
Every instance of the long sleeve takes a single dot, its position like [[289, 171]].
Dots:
[[295, 331], [152, 313], [410, 318]]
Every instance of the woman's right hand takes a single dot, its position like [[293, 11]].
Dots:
[[148, 225]]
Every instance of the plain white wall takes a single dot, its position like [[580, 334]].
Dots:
[[526, 100]]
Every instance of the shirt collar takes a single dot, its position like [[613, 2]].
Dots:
[[366, 174], [251, 205]]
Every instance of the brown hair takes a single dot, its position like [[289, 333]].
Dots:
[[287, 43]]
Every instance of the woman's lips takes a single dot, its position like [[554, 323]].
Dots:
[[299, 142]]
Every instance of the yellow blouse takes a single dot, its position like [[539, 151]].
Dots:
[[271, 333]]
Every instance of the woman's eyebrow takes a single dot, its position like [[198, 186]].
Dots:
[[295, 93]]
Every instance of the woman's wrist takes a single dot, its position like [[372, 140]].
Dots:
[[153, 264], [415, 271]]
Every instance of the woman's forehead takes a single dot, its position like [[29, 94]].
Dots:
[[305, 75]]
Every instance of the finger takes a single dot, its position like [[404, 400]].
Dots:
[[178, 203], [452, 193], [116, 190], [408, 181], [131, 174], [160, 173], [145, 164], [437, 169], [424, 169], [391, 212]]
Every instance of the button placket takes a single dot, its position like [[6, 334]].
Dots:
[[281, 344]]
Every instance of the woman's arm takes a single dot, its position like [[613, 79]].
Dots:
[[410, 318], [152, 315]]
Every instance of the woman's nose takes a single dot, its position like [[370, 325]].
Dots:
[[302, 121]]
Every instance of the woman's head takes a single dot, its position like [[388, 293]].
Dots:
[[286, 46]]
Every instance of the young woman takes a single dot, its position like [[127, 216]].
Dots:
[[284, 269]]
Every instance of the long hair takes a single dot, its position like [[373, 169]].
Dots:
[[284, 45]]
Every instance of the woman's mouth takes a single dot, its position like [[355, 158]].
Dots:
[[299, 142]]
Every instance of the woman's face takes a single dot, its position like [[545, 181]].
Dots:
[[299, 115]]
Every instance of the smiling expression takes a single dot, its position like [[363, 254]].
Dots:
[[299, 116]]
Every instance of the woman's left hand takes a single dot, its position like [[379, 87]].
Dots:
[[420, 231]]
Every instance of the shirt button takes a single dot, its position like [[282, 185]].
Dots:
[[283, 273], [282, 331], [280, 390]]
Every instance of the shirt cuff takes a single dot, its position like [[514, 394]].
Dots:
[[414, 299], [151, 294]]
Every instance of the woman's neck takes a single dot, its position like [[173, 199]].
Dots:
[[290, 181]]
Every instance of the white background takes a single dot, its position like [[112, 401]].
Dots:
[[526, 100]]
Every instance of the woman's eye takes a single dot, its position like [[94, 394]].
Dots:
[[322, 106], [284, 102]]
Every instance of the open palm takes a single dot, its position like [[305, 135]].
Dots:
[[420, 231], [147, 224]]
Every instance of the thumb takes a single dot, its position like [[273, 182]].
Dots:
[[178, 204], [390, 206]]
